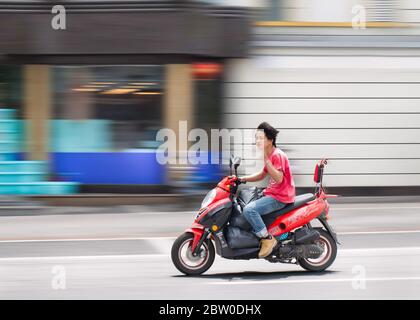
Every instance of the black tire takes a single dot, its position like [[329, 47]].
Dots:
[[331, 245], [186, 239]]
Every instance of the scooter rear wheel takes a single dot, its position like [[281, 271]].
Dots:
[[183, 259], [328, 256]]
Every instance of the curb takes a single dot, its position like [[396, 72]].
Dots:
[[183, 203]]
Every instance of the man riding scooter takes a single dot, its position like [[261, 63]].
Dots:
[[221, 224], [279, 192]]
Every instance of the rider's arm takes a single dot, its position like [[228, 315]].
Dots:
[[277, 175], [254, 177]]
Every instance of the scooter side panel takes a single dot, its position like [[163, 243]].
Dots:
[[297, 217], [211, 209], [218, 216]]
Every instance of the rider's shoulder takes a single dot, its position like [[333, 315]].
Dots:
[[280, 153]]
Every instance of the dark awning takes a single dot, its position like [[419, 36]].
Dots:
[[114, 29]]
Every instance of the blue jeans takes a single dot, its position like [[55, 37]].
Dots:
[[255, 209]]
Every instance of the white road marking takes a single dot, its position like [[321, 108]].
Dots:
[[264, 282], [333, 207], [87, 239], [92, 257], [161, 245], [173, 238], [361, 252], [379, 232], [162, 212], [379, 251], [337, 208]]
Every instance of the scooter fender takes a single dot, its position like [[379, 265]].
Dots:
[[197, 230]]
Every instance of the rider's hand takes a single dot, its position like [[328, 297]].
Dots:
[[235, 178]]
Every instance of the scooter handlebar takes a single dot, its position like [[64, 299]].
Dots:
[[238, 180]]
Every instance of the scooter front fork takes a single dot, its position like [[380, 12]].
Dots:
[[196, 250]]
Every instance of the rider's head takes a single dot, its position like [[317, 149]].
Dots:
[[266, 135]]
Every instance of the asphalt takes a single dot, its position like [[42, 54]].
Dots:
[[125, 255]]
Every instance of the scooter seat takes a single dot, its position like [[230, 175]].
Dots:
[[299, 201], [269, 218]]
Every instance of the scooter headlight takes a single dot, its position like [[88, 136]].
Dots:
[[209, 198]]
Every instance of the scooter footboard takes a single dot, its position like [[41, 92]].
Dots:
[[240, 239], [224, 250]]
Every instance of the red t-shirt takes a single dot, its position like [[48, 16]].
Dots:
[[285, 190]]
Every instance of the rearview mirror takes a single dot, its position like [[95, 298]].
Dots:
[[236, 161]]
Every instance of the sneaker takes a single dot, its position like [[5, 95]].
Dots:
[[267, 246]]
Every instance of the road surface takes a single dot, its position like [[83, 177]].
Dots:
[[125, 255]]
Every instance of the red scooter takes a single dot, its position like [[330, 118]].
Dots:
[[220, 221]]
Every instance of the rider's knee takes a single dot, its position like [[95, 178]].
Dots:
[[248, 209]]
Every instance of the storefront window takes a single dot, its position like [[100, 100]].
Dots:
[[208, 87], [208, 107], [11, 113], [11, 88], [106, 108]]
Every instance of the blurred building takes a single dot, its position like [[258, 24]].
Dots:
[[335, 88], [83, 104], [80, 107]]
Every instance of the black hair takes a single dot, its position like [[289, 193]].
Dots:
[[269, 131]]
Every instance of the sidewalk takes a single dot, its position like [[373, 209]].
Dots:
[[97, 204], [138, 203]]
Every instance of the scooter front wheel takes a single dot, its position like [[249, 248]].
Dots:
[[184, 260]]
